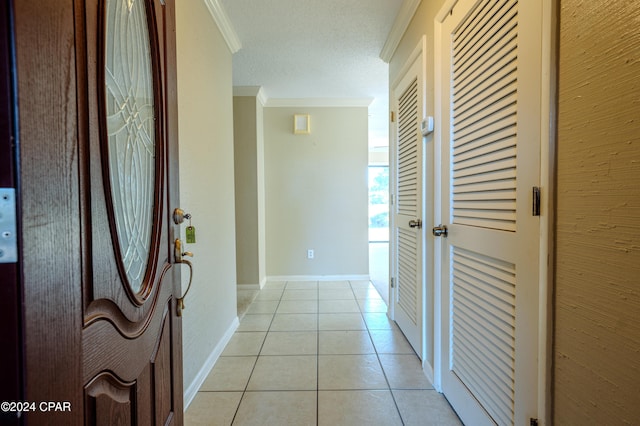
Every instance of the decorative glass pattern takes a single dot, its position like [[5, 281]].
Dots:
[[131, 132]]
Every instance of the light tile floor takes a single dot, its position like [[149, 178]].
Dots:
[[318, 353]]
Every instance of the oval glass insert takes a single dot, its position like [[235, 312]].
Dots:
[[131, 132]]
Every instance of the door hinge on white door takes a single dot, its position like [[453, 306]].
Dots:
[[392, 117], [393, 284], [391, 199]]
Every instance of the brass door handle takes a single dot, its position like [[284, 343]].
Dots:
[[179, 255]]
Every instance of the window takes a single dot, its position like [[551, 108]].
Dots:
[[378, 203]]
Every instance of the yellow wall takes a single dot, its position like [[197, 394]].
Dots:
[[597, 308], [205, 107], [316, 192], [245, 122], [248, 122]]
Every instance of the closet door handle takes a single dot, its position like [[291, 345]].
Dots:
[[440, 231]]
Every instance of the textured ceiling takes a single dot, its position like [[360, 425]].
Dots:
[[316, 49]]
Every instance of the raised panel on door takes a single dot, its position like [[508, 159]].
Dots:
[[491, 86]]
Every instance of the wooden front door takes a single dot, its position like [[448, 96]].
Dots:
[[98, 184]]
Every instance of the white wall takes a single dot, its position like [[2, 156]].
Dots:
[[206, 183], [316, 192]]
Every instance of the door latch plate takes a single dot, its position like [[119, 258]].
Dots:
[[8, 228]]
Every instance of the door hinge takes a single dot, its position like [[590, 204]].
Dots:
[[393, 284], [391, 198], [536, 201], [533, 422], [392, 117]]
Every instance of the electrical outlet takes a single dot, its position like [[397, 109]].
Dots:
[[310, 254]]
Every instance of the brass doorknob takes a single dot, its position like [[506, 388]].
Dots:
[[180, 215]]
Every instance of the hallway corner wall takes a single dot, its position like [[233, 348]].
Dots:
[[205, 105], [248, 130]]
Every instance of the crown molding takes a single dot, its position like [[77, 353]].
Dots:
[[400, 25], [319, 102], [251, 91], [224, 24]]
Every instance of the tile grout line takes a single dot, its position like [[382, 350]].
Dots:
[[318, 355], [382, 368], [246, 386], [361, 311]]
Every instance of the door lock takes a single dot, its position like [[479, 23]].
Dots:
[[180, 215], [440, 231]]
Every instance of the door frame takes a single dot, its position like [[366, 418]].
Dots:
[[547, 203], [10, 305]]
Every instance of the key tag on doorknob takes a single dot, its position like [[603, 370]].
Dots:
[[191, 233]]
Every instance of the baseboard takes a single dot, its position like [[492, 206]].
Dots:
[[248, 287], [192, 390], [263, 281], [356, 277]]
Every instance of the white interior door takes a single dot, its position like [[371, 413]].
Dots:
[[407, 235], [490, 56]]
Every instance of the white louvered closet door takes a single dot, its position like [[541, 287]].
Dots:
[[491, 82], [407, 208]]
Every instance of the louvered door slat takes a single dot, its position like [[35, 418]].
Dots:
[[484, 307], [483, 187], [494, 344], [493, 69], [495, 175], [498, 375], [502, 157], [484, 46], [486, 195], [407, 273], [491, 101], [500, 364], [407, 151], [484, 124], [496, 141]]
